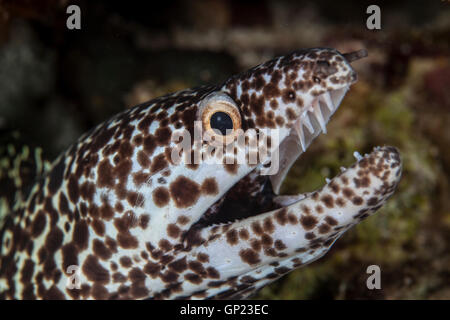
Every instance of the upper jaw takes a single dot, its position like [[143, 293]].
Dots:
[[309, 124], [314, 118]]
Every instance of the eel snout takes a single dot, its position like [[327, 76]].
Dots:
[[355, 55]]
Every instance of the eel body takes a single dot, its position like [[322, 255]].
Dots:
[[124, 213]]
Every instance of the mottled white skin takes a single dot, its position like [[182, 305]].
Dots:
[[94, 210], [384, 176]]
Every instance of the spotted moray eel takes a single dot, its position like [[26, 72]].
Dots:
[[139, 225]]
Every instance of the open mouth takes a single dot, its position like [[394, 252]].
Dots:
[[314, 119], [240, 202], [254, 195], [310, 124], [253, 236]]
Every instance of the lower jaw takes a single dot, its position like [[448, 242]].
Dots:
[[304, 230]]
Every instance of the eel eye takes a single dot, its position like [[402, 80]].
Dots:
[[222, 122], [220, 116]]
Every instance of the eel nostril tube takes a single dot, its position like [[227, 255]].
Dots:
[[355, 55]]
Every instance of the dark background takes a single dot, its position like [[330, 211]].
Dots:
[[57, 83]]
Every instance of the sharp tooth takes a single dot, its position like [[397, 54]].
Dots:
[[327, 180], [319, 116], [308, 124], [327, 99], [343, 169], [301, 136], [357, 155]]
